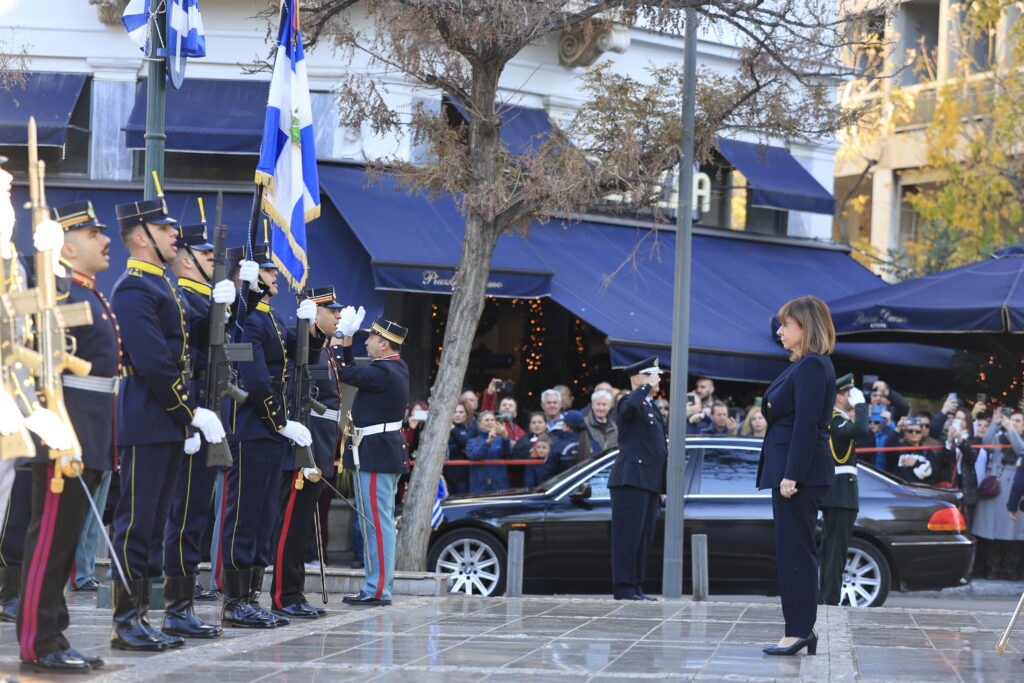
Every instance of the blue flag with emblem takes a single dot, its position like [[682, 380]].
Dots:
[[437, 515], [287, 165]]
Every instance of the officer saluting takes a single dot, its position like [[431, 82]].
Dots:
[[155, 414], [90, 403], [637, 479], [840, 505], [300, 505], [377, 451]]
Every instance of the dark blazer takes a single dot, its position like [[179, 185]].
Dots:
[[798, 408], [643, 450], [383, 397]]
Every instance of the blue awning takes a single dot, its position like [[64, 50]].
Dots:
[[415, 244], [207, 116], [738, 285], [523, 129], [776, 180], [50, 97]]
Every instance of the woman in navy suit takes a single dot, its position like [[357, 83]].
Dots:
[[796, 463]]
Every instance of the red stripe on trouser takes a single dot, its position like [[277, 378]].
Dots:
[[380, 538], [282, 541], [220, 530], [37, 571], [74, 574]]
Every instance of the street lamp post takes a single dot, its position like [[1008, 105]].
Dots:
[[672, 576], [156, 96]]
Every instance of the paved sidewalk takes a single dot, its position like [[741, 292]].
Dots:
[[455, 639]]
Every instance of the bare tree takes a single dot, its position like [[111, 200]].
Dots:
[[621, 141]]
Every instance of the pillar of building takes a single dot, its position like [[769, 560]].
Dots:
[[114, 82]]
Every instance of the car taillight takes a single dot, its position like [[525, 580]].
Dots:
[[947, 519]]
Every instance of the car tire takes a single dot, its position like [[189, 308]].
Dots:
[[474, 560], [867, 577]]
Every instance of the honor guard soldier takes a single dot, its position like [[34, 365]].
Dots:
[[300, 504], [841, 503], [377, 452], [637, 479], [190, 507], [261, 440], [155, 414], [57, 517]]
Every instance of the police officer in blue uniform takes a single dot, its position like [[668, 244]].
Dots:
[[261, 445], [155, 413], [300, 504], [190, 507], [637, 479], [90, 402], [377, 452]]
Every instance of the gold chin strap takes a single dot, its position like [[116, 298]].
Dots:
[[846, 457]]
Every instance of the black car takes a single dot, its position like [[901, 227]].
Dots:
[[907, 536]]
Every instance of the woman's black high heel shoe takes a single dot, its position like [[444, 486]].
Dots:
[[810, 642]]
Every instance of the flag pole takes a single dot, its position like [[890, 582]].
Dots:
[[156, 99]]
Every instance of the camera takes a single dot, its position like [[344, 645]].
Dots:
[[503, 385], [691, 398]]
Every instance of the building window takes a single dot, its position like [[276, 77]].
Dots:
[[201, 166], [70, 160]]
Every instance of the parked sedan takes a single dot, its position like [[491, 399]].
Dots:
[[907, 536]]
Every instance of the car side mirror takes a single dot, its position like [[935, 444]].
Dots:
[[581, 493]]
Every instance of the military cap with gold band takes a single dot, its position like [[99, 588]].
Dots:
[[323, 296], [145, 211], [391, 331], [77, 216]]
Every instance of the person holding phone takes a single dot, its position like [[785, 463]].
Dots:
[[996, 525], [796, 463], [490, 443]]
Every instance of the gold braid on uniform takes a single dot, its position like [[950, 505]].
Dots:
[[832, 448]]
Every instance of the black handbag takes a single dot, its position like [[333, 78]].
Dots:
[[990, 486]]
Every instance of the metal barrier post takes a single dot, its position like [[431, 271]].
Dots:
[[516, 545], [699, 554]]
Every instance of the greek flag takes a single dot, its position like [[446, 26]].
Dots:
[[436, 515], [185, 36], [287, 165], [136, 20]]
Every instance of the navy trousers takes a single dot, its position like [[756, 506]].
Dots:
[[252, 502], [634, 516], [796, 557], [19, 510], [190, 511], [148, 475], [297, 510]]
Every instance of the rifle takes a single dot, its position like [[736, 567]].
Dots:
[[301, 400], [220, 355], [14, 304], [52, 319]]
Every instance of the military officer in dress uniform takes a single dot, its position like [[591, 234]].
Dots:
[[840, 505], [261, 440], [155, 411], [190, 507], [300, 504], [377, 452], [57, 518], [637, 479]]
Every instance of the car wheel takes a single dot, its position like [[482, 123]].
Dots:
[[474, 561], [866, 579]]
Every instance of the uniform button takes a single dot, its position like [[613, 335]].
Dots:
[[104, 316]]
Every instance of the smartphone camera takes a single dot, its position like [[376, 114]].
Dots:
[[691, 398], [504, 386]]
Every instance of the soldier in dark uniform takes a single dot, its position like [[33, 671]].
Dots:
[[261, 440], [840, 505], [637, 479], [377, 452], [155, 413], [90, 402], [190, 506], [299, 505]]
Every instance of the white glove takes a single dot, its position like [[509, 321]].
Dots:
[[923, 471], [306, 310], [10, 415], [48, 236], [224, 292], [249, 271], [71, 465], [192, 444], [45, 424], [350, 320], [358, 321], [311, 473], [208, 423], [296, 432], [856, 396]]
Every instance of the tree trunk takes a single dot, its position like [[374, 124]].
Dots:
[[478, 244]]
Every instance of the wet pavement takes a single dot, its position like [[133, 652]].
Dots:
[[455, 639]]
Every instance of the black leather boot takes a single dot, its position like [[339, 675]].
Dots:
[[167, 638], [255, 588], [179, 615], [128, 632], [10, 592], [237, 612]]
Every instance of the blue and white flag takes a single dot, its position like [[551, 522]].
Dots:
[[185, 36], [437, 515], [287, 165], [136, 20]]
